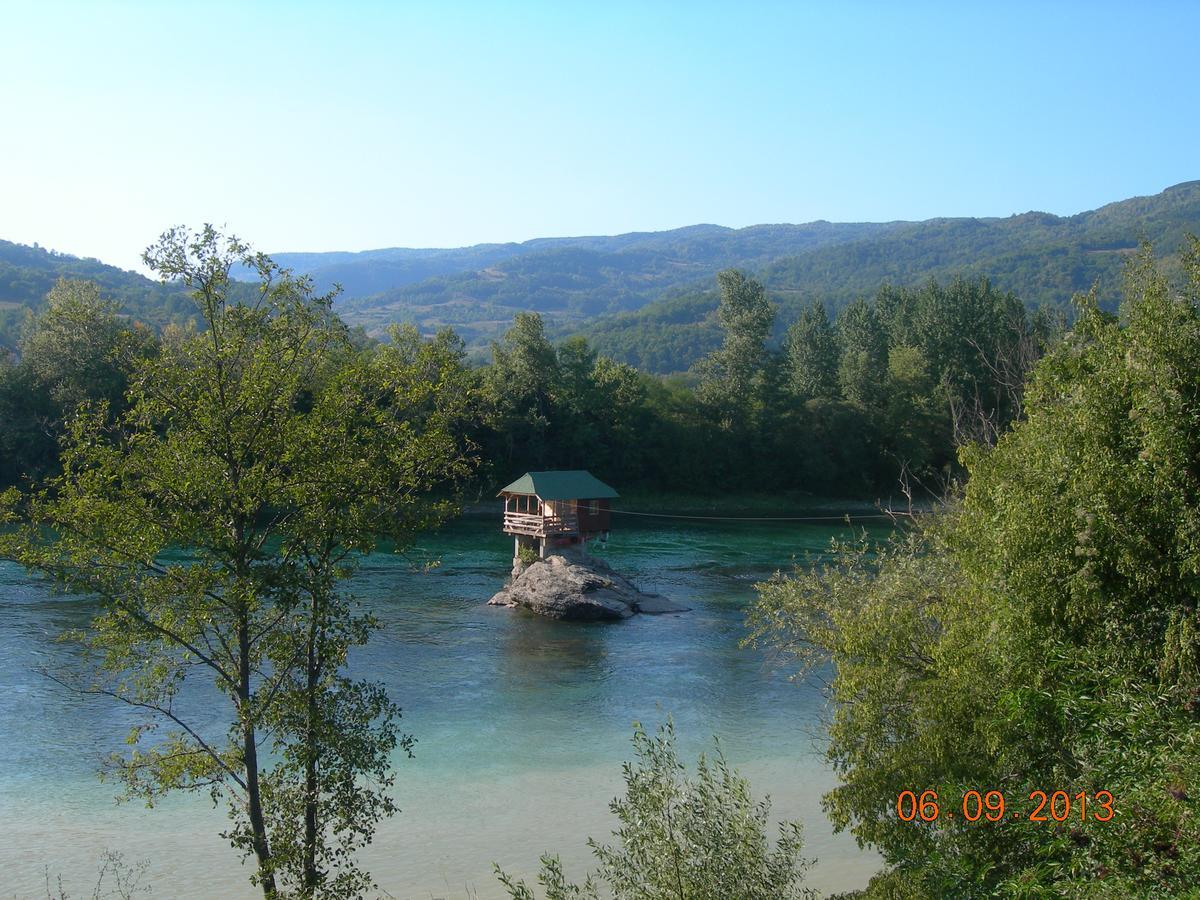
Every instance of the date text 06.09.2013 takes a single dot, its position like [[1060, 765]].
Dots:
[[992, 806]]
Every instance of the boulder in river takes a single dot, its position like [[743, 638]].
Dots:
[[580, 588]]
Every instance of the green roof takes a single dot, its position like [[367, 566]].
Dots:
[[572, 485]]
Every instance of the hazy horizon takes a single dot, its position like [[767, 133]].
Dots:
[[582, 235]]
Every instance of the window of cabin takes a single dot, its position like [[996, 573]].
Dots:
[[593, 507]]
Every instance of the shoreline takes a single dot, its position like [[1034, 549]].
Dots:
[[784, 504]]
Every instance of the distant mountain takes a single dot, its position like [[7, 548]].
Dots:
[[647, 297], [375, 271], [28, 273], [478, 289], [372, 272], [1042, 258]]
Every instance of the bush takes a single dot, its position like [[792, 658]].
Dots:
[[701, 838], [1040, 635]]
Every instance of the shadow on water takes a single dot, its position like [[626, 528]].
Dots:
[[540, 651]]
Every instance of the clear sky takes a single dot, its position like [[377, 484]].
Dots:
[[305, 126]]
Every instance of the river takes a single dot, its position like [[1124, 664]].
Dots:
[[521, 723]]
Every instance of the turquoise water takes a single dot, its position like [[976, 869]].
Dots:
[[521, 723]]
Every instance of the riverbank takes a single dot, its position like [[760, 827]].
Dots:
[[783, 504]]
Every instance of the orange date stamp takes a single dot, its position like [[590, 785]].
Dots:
[[993, 806]]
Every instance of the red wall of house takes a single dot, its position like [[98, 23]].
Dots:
[[597, 521]]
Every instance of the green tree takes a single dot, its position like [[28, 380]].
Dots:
[[1041, 634], [914, 419], [28, 445], [979, 344], [520, 386], [79, 348], [812, 354], [841, 450], [623, 420], [255, 462], [731, 378], [863, 361], [683, 838], [674, 436], [77, 351], [576, 405]]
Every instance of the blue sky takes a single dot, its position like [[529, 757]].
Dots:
[[305, 126]]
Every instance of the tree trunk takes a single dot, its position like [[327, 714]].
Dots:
[[258, 826], [311, 740]]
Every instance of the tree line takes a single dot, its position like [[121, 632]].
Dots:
[[889, 388]]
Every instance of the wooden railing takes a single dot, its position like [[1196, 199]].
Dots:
[[538, 525]]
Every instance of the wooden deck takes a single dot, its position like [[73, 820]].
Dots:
[[537, 525]]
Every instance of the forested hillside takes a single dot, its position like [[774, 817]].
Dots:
[[569, 280], [648, 299], [1043, 259], [695, 247], [28, 273]]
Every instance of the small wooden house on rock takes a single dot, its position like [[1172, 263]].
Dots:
[[556, 509]]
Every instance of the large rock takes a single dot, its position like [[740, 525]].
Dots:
[[578, 588]]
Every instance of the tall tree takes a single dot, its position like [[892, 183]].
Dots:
[[77, 351], [520, 386], [576, 405], [812, 354], [28, 445], [731, 378], [623, 420], [79, 348], [271, 456], [863, 343]]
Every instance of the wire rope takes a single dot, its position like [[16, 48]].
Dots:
[[841, 518]]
